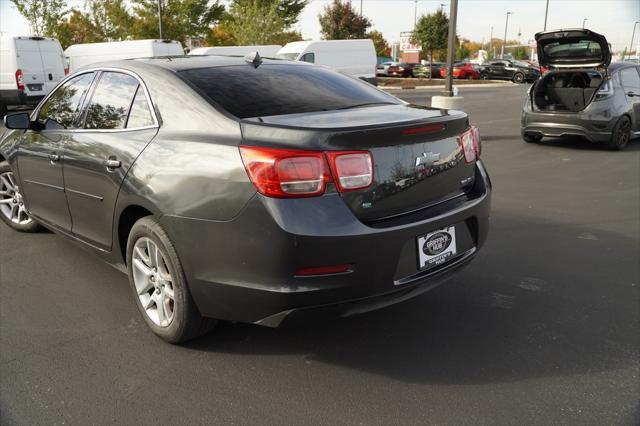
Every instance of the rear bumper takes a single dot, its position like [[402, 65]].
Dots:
[[244, 269], [567, 124]]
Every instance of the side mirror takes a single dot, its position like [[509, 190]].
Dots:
[[20, 120]]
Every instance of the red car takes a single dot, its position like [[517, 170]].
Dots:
[[462, 70]]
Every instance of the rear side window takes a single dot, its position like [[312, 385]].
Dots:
[[630, 78], [110, 102], [63, 106], [140, 114], [245, 91]]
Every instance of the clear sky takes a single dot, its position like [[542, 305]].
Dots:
[[613, 18]]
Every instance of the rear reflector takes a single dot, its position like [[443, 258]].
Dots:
[[470, 144], [353, 169], [324, 270]]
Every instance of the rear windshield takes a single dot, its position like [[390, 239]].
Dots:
[[574, 49], [247, 92]]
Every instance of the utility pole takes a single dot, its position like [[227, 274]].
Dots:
[[504, 43], [584, 21], [451, 48], [546, 12], [491, 42], [415, 13], [633, 34], [360, 7], [160, 18]]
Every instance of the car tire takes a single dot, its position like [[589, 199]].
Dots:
[[620, 135], [156, 275], [12, 209], [484, 76], [531, 138], [3, 110], [518, 78]]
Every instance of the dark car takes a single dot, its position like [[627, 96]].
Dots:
[[248, 190], [582, 94], [402, 69], [518, 72], [423, 70]]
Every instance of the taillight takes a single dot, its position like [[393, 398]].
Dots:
[[470, 143], [352, 169], [66, 71], [288, 173], [605, 91], [19, 81]]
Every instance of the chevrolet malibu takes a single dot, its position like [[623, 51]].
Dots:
[[250, 190]]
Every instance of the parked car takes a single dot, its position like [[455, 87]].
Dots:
[[503, 69], [266, 51], [421, 70], [29, 68], [462, 70], [582, 94], [401, 69], [383, 68], [225, 194], [356, 58], [81, 55]]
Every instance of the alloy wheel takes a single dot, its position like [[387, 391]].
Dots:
[[623, 133], [11, 201], [153, 282]]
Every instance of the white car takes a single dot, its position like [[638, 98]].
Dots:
[[356, 58], [30, 67]]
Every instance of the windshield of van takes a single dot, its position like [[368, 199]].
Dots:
[[289, 56], [277, 89]]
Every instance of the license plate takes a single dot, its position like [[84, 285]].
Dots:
[[437, 247]]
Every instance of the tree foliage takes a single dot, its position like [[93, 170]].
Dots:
[[42, 15], [380, 43], [255, 21], [339, 21], [432, 32]]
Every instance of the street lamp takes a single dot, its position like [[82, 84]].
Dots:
[[506, 24], [546, 13], [160, 18], [633, 34], [583, 21]]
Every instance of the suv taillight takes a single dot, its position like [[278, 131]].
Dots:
[[470, 144], [290, 173], [19, 81]]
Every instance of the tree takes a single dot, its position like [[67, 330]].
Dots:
[[380, 43], [255, 21], [288, 10], [42, 15], [339, 21], [431, 32]]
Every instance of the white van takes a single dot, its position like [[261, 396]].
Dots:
[[29, 68], [80, 55], [266, 51], [356, 58]]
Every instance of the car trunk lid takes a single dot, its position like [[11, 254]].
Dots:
[[573, 48], [417, 158]]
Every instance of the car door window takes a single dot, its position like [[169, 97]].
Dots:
[[63, 108], [140, 114], [109, 106], [309, 57], [630, 78]]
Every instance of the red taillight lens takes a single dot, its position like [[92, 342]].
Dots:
[[352, 169], [66, 71], [19, 81], [470, 143], [286, 173]]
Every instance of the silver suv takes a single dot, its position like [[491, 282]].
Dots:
[[583, 93]]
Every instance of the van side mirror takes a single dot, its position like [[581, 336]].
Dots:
[[20, 120]]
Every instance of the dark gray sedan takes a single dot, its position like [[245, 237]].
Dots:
[[583, 94], [248, 190]]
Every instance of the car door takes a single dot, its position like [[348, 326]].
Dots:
[[119, 123], [41, 152], [630, 80], [495, 69]]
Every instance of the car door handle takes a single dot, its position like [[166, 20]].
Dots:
[[111, 163], [54, 157], [631, 94]]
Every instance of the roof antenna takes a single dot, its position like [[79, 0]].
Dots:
[[253, 58]]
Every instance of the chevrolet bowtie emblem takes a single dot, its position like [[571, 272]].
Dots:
[[427, 159]]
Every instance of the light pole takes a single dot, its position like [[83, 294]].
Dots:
[[442, 5], [546, 13], [584, 21], [633, 34], [504, 43], [160, 18], [491, 43], [360, 7], [415, 13], [451, 48]]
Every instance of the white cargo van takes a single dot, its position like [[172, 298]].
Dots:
[[356, 58], [80, 55], [266, 51], [29, 68]]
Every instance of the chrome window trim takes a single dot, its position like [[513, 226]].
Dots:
[[98, 70]]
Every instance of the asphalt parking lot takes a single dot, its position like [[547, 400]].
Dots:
[[542, 328]]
